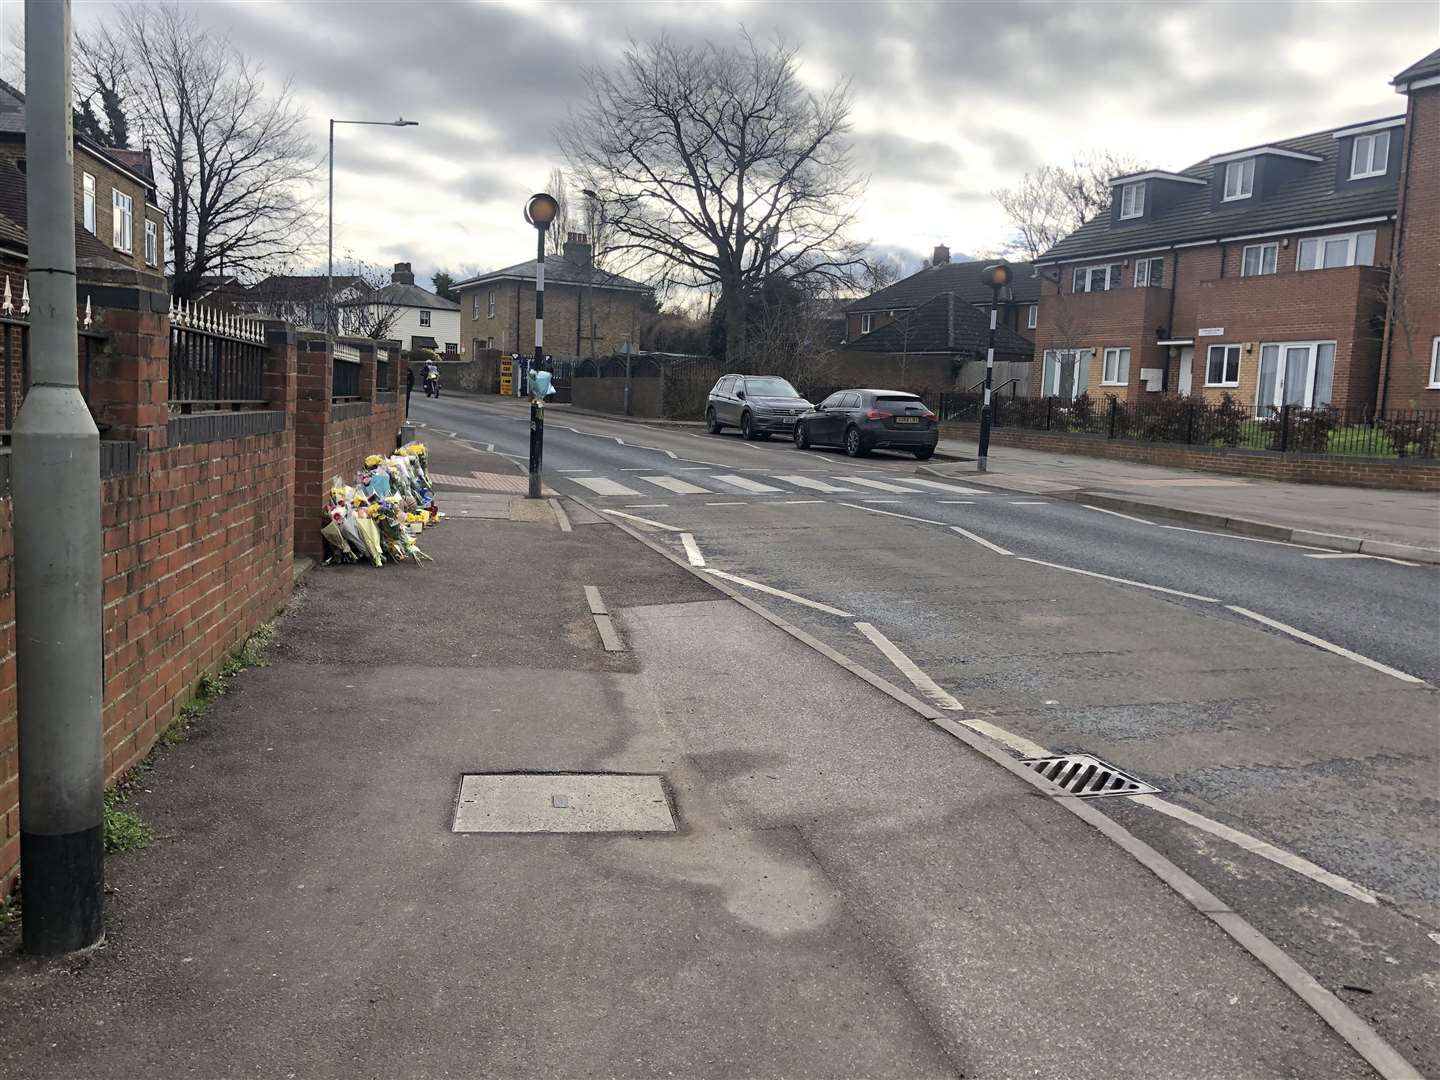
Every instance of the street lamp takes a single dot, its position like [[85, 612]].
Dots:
[[997, 276], [330, 245], [540, 211]]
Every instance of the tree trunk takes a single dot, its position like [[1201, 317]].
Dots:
[[732, 304]]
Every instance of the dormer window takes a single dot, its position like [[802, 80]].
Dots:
[[1371, 155], [865, 324], [1239, 179], [1132, 201]]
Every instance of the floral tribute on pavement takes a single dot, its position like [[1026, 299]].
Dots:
[[379, 518]]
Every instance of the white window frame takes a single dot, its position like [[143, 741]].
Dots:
[[1079, 355], [1032, 317], [424, 317], [475, 304], [1273, 249], [122, 225], [1320, 242], [152, 243], [1122, 376], [1146, 281], [1224, 364], [1434, 364], [1132, 201], [865, 323], [491, 303], [87, 202], [1313, 370], [1375, 164], [1112, 272], [452, 347], [1244, 172]]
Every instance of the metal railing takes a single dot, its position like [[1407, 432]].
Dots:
[[384, 379], [15, 348], [1293, 429], [217, 361], [345, 373]]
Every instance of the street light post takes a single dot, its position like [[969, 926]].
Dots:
[[540, 211], [998, 278], [330, 214]]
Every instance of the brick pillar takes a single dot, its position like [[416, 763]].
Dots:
[[130, 368], [314, 376]]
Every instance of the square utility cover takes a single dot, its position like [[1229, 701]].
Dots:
[[562, 803]]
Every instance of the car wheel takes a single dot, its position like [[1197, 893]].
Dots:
[[711, 424], [925, 453], [854, 443], [802, 437], [746, 427]]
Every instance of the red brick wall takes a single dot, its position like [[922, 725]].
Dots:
[[198, 550], [1262, 464], [1415, 318]]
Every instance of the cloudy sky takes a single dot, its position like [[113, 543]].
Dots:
[[950, 99]]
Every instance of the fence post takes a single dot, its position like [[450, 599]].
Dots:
[[1114, 404], [1049, 405], [1190, 422], [1284, 428]]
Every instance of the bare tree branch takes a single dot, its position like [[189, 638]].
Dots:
[[1050, 203]]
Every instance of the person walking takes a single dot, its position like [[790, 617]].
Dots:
[[409, 387]]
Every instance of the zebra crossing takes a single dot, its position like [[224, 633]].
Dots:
[[766, 484]]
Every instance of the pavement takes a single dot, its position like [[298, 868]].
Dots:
[[850, 889]]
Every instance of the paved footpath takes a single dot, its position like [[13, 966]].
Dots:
[[850, 889]]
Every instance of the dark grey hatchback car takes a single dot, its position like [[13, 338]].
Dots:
[[759, 405], [863, 420]]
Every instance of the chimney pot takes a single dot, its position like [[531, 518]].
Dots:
[[941, 256]]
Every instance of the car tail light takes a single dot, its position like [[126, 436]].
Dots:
[[876, 414]]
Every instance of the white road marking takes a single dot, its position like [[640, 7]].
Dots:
[[692, 550], [890, 513], [811, 483], [1021, 745], [597, 605], [1328, 646], [602, 486], [1259, 847], [637, 468], [796, 502], [678, 486], [982, 541], [878, 485], [561, 518], [694, 468], [644, 521], [743, 484], [1120, 580], [954, 502], [1241, 536], [727, 504], [1359, 555], [779, 592], [1116, 513], [1027, 502], [922, 682], [887, 502], [574, 470], [646, 506], [934, 485]]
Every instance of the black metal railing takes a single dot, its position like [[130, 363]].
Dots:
[[384, 377], [15, 362], [1293, 429], [217, 362], [345, 384]]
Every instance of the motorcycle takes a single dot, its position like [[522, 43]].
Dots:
[[432, 386]]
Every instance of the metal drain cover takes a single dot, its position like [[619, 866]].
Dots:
[[562, 803], [1088, 777]]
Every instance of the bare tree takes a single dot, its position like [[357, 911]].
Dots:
[[374, 313], [100, 75], [233, 158], [559, 186], [718, 167], [1050, 203]]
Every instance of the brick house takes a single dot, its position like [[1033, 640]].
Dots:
[[299, 299], [1259, 273], [416, 317], [116, 216], [497, 310], [1410, 362]]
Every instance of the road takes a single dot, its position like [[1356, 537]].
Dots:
[[1279, 698]]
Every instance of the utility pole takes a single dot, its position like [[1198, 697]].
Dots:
[[998, 278], [55, 466]]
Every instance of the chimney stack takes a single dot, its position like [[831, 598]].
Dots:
[[941, 256], [577, 249], [402, 275]]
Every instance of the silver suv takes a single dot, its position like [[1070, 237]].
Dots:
[[759, 405]]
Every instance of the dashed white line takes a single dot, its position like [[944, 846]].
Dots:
[[1358, 555], [644, 521], [1116, 513], [1241, 536], [890, 513], [954, 502], [727, 504], [922, 682], [887, 502], [1328, 646], [1027, 502], [778, 592], [794, 502], [692, 549], [646, 506], [1120, 580], [982, 541]]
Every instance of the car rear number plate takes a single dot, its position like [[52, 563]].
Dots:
[[907, 419]]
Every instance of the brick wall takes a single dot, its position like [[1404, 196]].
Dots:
[[607, 394], [567, 308], [1261, 464], [1415, 317], [198, 547]]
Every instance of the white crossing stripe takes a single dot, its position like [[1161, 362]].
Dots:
[[692, 549], [675, 484], [601, 486], [922, 682], [878, 485], [753, 486], [810, 482], [933, 485]]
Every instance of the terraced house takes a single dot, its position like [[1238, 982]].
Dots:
[[1259, 272]]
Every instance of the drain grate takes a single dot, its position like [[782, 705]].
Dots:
[[1088, 777]]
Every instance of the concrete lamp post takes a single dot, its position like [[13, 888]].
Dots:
[[540, 211], [998, 277]]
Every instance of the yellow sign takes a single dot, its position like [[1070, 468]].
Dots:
[[507, 387], [506, 367]]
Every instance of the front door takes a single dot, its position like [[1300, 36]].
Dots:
[[1295, 373], [1187, 364]]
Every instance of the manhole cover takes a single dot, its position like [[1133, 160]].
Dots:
[[1088, 777], [562, 803]]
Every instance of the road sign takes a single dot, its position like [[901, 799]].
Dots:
[[507, 386], [506, 367]]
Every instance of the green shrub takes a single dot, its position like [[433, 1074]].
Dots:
[[125, 830]]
